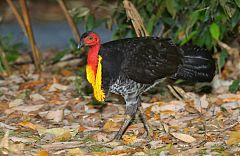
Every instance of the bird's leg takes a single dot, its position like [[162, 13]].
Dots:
[[131, 109], [147, 127]]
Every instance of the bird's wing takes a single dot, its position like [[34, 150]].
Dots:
[[151, 59]]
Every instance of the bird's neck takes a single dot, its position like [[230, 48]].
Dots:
[[94, 72], [92, 59]]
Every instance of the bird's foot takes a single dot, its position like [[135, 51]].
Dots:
[[126, 122], [149, 132]]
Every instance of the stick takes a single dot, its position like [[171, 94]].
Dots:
[[70, 21], [18, 16], [5, 62], [136, 19], [35, 52]]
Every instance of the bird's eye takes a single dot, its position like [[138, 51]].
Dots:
[[90, 37]]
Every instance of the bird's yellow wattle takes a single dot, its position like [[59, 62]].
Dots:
[[96, 80]]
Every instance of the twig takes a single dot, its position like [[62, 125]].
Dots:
[[35, 52], [70, 21], [18, 16], [174, 92], [231, 126], [5, 62], [136, 19], [230, 50]]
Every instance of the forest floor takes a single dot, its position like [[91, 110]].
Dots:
[[49, 114]]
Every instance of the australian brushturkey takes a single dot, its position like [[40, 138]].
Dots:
[[131, 66]]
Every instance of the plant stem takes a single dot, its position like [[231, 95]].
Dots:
[[18, 16], [35, 52], [5, 62], [135, 18], [70, 21]]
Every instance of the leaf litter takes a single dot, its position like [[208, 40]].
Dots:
[[51, 115]]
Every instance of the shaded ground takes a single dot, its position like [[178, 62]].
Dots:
[[49, 114]]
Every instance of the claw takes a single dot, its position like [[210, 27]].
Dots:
[[127, 121], [148, 128]]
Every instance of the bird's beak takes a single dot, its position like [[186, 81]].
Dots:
[[81, 44]]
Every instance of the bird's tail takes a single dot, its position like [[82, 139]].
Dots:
[[198, 65]]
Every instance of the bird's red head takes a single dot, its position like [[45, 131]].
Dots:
[[89, 39]]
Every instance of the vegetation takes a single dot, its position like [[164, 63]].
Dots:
[[203, 22]]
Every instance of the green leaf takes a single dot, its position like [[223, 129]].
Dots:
[[215, 31], [72, 44], [235, 86], [59, 56], [171, 7], [188, 38], [90, 22], [179, 81], [222, 59], [238, 3], [151, 23]]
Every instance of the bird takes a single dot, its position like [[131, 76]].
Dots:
[[131, 66]]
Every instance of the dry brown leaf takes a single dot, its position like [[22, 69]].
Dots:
[[42, 153], [56, 116], [28, 108], [5, 141], [204, 102], [111, 126], [75, 152], [3, 106], [64, 137], [10, 147], [30, 84], [234, 138], [129, 139], [57, 131], [36, 97], [101, 137], [15, 103], [184, 137], [23, 140], [66, 72], [56, 86], [28, 124], [5, 126]]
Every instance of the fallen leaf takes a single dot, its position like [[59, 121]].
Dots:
[[7, 147], [3, 105], [36, 97], [57, 131], [75, 152], [28, 124], [16, 102], [234, 138], [30, 84], [166, 127], [28, 108], [56, 86], [64, 137], [174, 106], [42, 153], [66, 73], [129, 139], [3, 125], [5, 141], [56, 116], [204, 102], [111, 126], [184, 137], [101, 137], [23, 140]]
